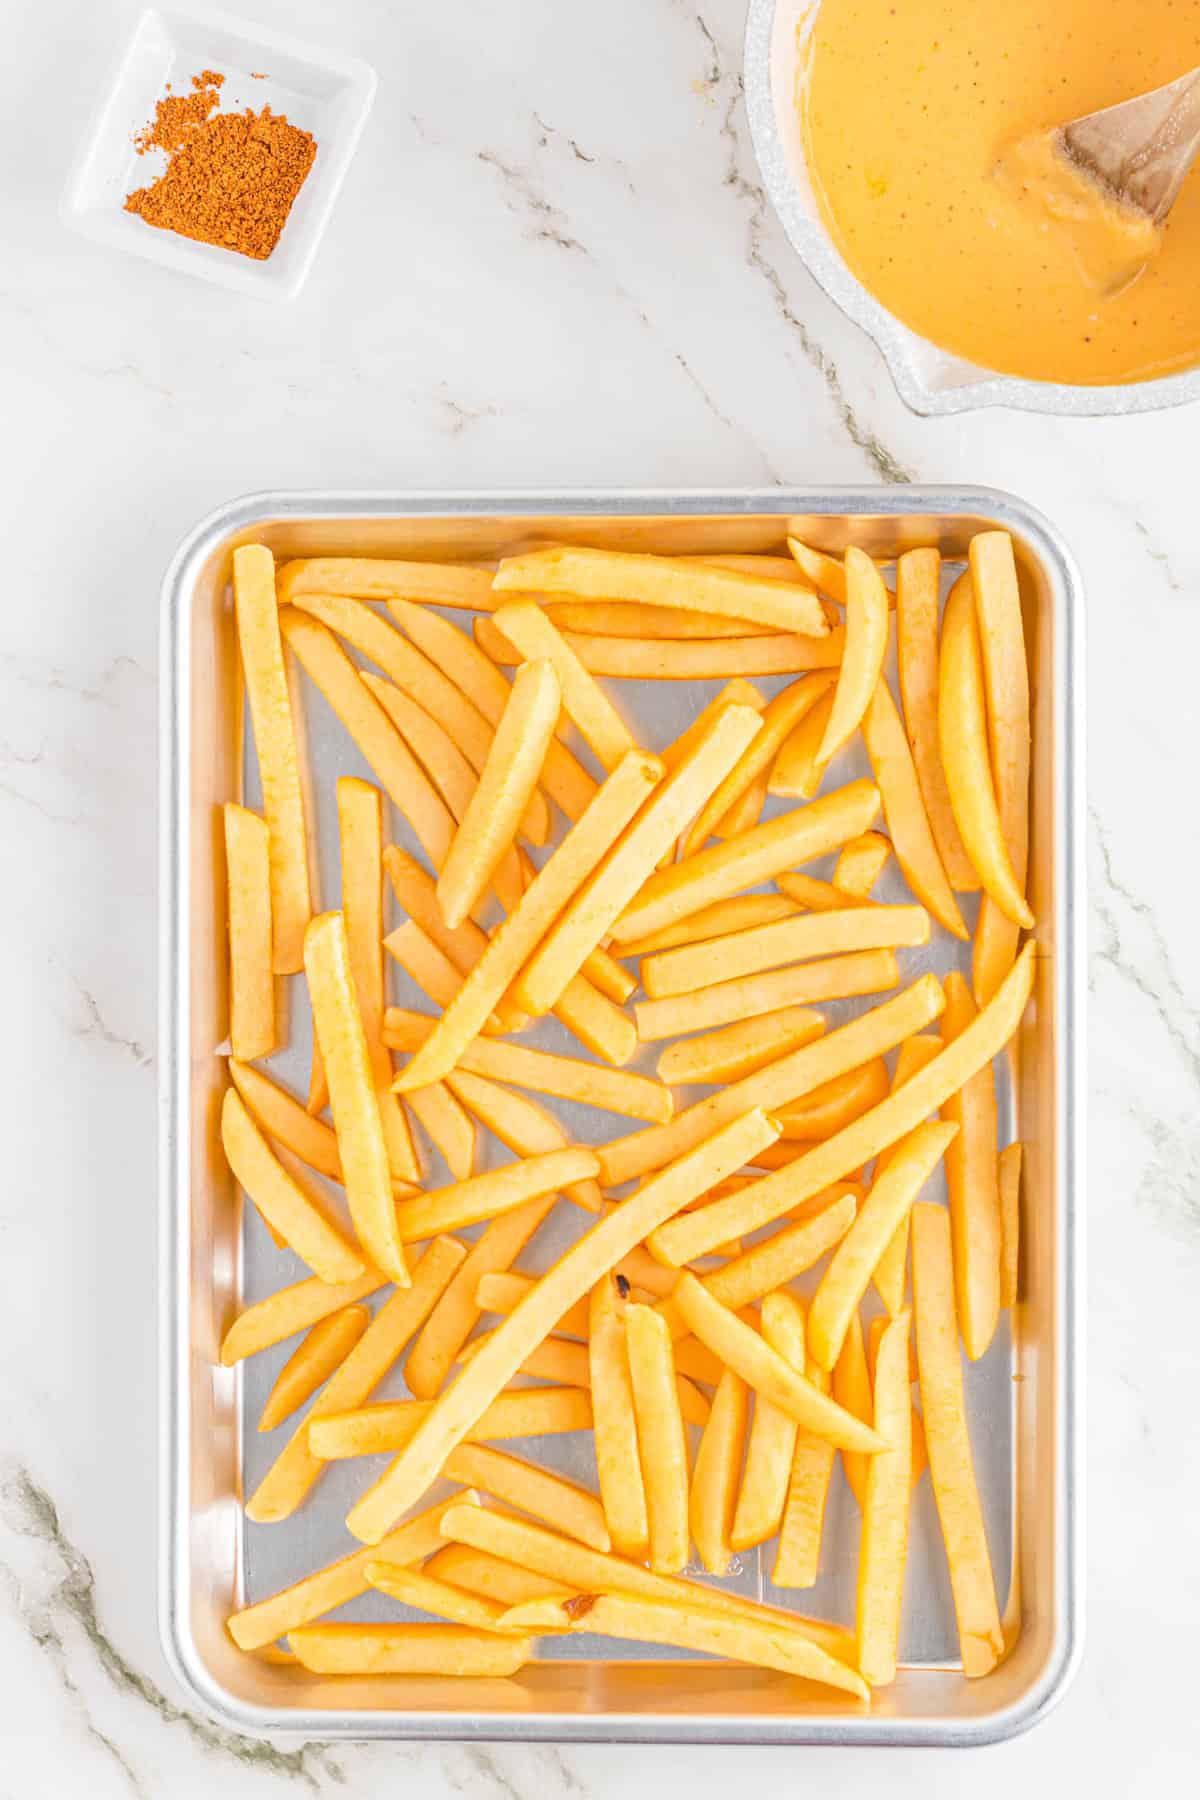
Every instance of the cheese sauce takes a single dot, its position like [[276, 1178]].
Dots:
[[926, 129]]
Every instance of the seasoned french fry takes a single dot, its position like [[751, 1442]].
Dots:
[[283, 1203], [521, 1125], [255, 1626], [972, 1185], [692, 1235], [826, 1109], [734, 1051], [904, 810], [798, 1550], [251, 969], [257, 615], [891, 1271], [417, 1588], [715, 1477], [780, 717], [1006, 681], [483, 1196], [618, 1465], [917, 588], [292, 1309], [535, 636], [287, 1482], [850, 1385], [665, 581], [1009, 1168], [981, 1639], [317, 1355], [463, 944], [846, 1279], [865, 649], [596, 907], [478, 1572], [686, 659], [962, 731], [282, 1117], [611, 977], [387, 1425], [448, 1126], [662, 1443], [571, 1277], [376, 578], [798, 771], [861, 863], [562, 1504], [830, 978], [883, 1546], [792, 940], [409, 1650], [772, 1441], [739, 914]]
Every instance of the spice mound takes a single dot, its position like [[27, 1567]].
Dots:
[[231, 178]]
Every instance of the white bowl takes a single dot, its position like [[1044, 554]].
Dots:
[[929, 379], [319, 91]]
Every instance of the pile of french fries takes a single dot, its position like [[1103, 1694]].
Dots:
[[717, 1398]]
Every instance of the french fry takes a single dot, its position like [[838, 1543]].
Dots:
[[595, 908], [828, 1108], [1009, 1169], [662, 1443], [739, 914], [315, 1358], [291, 1309], [737, 692], [253, 1627], [568, 1077], [566, 1364], [850, 1385], [694, 1234], [559, 1503], [291, 1476], [283, 1203], [1006, 681], [376, 578], [772, 1442], [917, 587], [566, 782], [846, 1279], [609, 976], [792, 940], [387, 1425], [355, 1107], [891, 1271], [904, 810], [734, 1051], [962, 732], [861, 863], [521, 1125], [770, 1263], [572, 1276], [409, 1650], [401, 775], [635, 619], [600, 1026], [824, 571], [715, 1476], [798, 1549], [742, 1349], [865, 649], [283, 1118], [756, 562], [483, 1196], [257, 615], [786, 1079], [477, 1572], [814, 895], [883, 1546], [746, 812], [419, 1589], [251, 968], [802, 984], [951, 1467], [686, 659], [448, 1126], [535, 636], [614, 1423], [798, 771], [972, 1185], [360, 830], [780, 717], [920, 1456], [463, 944], [500, 1293], [665, 581]]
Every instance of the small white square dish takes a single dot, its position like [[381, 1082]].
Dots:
[[319, 91]]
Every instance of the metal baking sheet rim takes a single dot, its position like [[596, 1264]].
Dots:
[[181, 1651]]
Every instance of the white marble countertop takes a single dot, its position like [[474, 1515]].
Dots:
[[552, 264]]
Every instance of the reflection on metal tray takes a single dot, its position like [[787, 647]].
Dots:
[[1022, 1395]]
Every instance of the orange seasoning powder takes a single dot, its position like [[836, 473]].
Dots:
[[231, 178]]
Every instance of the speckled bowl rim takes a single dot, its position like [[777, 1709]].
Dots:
[[960, 386]]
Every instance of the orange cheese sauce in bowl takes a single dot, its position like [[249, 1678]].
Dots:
[[925, 128]]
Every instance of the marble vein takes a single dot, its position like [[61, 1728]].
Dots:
[[96, 1027]]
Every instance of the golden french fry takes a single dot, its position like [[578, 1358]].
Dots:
[[257, 615], [786, 1079], [595, 908], [355, 1106], [850, 1385], [419, 1589], [404, 780], [283, 1203], [478, 1572], [798, 1550], [1006, 681], [866, 647], [323, 1350], [522, 1126], [282, 1117], [600, 1026], [483, 1196], [635, 619], [685, 1238], [737, 692], [917, 601], [775, 1260], [568, 1077], [463, 944], [779, 719], [861, 863], [739, 914], [665, 581], [792, 940], [535, 636], [618, 1465], [611, 977], [490, 824], [375, 578], [1009, 1171], [715, 1476], [798, 771], [883, 1545], [891, 1271], [500, 1293], [251, 969], [920, 1457], [292, 1309], [904, 810], [409, 1650], [772, 1442], [387, 1425], [814, 895], [287, 1482], [846, 1279], [567, 1364], [687, 659], [826, 1109], [559, 1503], [448, 1126], [662, 1443], [981, 1639], [751, 562], [255, 1626], [972, 1185], [573, 1275], [830, 978], [962, 732], [425, 962], [734, 1051], [725, 869], [745, 812], [822, 570]]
